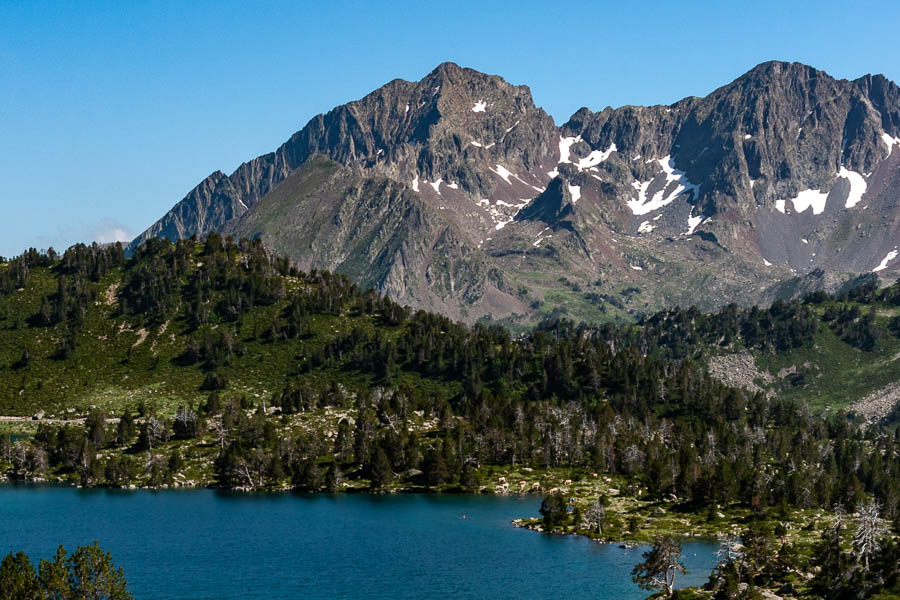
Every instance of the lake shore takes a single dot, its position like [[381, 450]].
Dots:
[[301, 545]]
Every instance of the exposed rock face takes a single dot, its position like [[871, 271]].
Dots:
[[380, 233], [740, 371], [457, 194], [878, 404]]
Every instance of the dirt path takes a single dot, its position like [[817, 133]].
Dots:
[[52, 421]]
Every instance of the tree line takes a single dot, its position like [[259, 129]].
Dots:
[[628, 400]]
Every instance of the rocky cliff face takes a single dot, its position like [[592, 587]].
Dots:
[[457, 194]]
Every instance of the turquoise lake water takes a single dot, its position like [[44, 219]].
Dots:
[[202, 544]]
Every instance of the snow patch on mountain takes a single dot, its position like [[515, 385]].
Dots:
[[595, 158], [480, 106], [575, 191], [857, 186], [693, 223], [502, 213], [643, 205], [541, 237], [503, 172], [805, 199], [591, 160], [891, 141], [565, 145], [884, 262]]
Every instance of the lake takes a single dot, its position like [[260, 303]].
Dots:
[[203, 544]]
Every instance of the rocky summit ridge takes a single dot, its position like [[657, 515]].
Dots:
[[457, 194]]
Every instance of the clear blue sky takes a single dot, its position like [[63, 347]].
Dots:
[[111, 112]]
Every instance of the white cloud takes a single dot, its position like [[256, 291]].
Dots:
[[107, 231], [104, 231], [116, 234]]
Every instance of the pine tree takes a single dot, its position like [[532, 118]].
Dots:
[[93, 575], [53, 576], [434, 468], [660, 566], [382, 473], [468, 479], [18, 580], [553, 509]]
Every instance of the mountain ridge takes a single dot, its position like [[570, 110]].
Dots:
[[745, 184]]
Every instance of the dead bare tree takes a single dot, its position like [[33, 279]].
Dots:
[[869, 529]]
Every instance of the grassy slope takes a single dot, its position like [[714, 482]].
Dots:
[[835, 374], [119, 362], [115, 365]]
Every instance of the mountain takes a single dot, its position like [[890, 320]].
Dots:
[[457, 194]]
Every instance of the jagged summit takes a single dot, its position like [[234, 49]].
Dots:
[[485, 202]]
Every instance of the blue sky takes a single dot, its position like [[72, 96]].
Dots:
[[111, 112]]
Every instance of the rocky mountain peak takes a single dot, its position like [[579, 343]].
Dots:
[[553, 206], [780, 173]]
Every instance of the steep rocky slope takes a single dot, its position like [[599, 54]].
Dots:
[[457, 194]]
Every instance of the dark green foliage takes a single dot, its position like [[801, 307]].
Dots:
[[435, 468], [380, 470], [343, 443], [854, 326], [840, 577], [660, 566], [18, 579], [214, 381], [306, 477], [759, 554], [153, 431], [15, 276], [781, 327], [88, 573], [554, 510], [468, 479], [125, 428], [334, 478], [188, 424]]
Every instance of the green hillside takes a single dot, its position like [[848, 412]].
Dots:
[[92, 329], [215, 364], [822, 351], [153, 329]]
